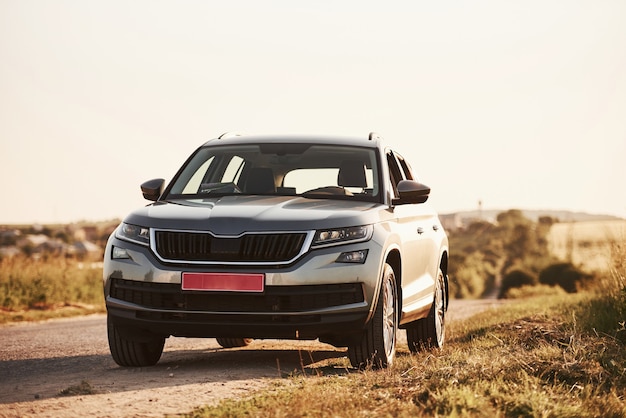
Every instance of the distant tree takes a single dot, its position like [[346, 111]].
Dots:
[[28, 249], [565, 275], [472, 276], [480, 227], [511, 218], [515, 279], [525, 241], [63, 236], [521, 241], [8, 240], [483, 252], [475, 252], [547, 220]]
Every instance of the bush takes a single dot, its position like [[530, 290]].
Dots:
[[516, 279], [533, 291], [566, 275], [27, 283]]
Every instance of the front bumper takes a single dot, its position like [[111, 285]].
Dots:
[[314, 298]]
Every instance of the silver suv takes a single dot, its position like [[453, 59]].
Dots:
[[284, 238]]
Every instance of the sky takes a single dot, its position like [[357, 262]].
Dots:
[[515, 104]]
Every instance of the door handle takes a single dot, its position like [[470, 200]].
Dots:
[[420, 230], [435, 227]]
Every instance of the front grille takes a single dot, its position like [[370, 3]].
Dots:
[[204, 247], [279, 299]]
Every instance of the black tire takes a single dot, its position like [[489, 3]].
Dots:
[[233, 342], [133, 353], [430, 332], [377, 347]]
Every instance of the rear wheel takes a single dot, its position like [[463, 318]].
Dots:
[[233, 342], [142, 351], [430, 332], [377, 346]]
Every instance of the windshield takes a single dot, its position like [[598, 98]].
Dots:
[[316, 171]]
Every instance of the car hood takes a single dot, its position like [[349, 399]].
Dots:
[[234, 215]]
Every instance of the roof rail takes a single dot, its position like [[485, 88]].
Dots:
[[228, 135], [375, 137]]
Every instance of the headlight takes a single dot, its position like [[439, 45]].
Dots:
[[134, 233], [336, 236]]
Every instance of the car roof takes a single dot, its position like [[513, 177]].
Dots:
[[372, 140]]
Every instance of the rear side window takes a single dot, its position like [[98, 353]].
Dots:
[[233, 170], [303, 180]]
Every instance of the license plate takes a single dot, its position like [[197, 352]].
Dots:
[[224, 282]]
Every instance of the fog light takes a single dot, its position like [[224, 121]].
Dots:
[[352, 257], [119, 253]]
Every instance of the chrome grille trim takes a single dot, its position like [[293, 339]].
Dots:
[[274, 248]]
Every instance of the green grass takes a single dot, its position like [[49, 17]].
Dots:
[[533, 358]]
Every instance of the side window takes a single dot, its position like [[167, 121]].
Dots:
[[395, 174], [233, 170], [303, 180], [406, 168]]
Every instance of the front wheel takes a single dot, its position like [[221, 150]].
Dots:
[[377, 346], [430, 332], [233, 342], [127, 352]]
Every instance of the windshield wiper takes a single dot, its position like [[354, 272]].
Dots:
[[218, 189]]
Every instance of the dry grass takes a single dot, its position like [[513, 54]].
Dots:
[[38, 289], [606, 313], [551, 355], [83, 388], [532, 359]]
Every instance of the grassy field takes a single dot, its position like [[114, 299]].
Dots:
[[542, 357], [554, 355], [589, 245], [33, 289]]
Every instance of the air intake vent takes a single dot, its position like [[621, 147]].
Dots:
[[169, 296]]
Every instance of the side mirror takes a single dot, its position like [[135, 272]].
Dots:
[[411, 191], [152, 189]]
